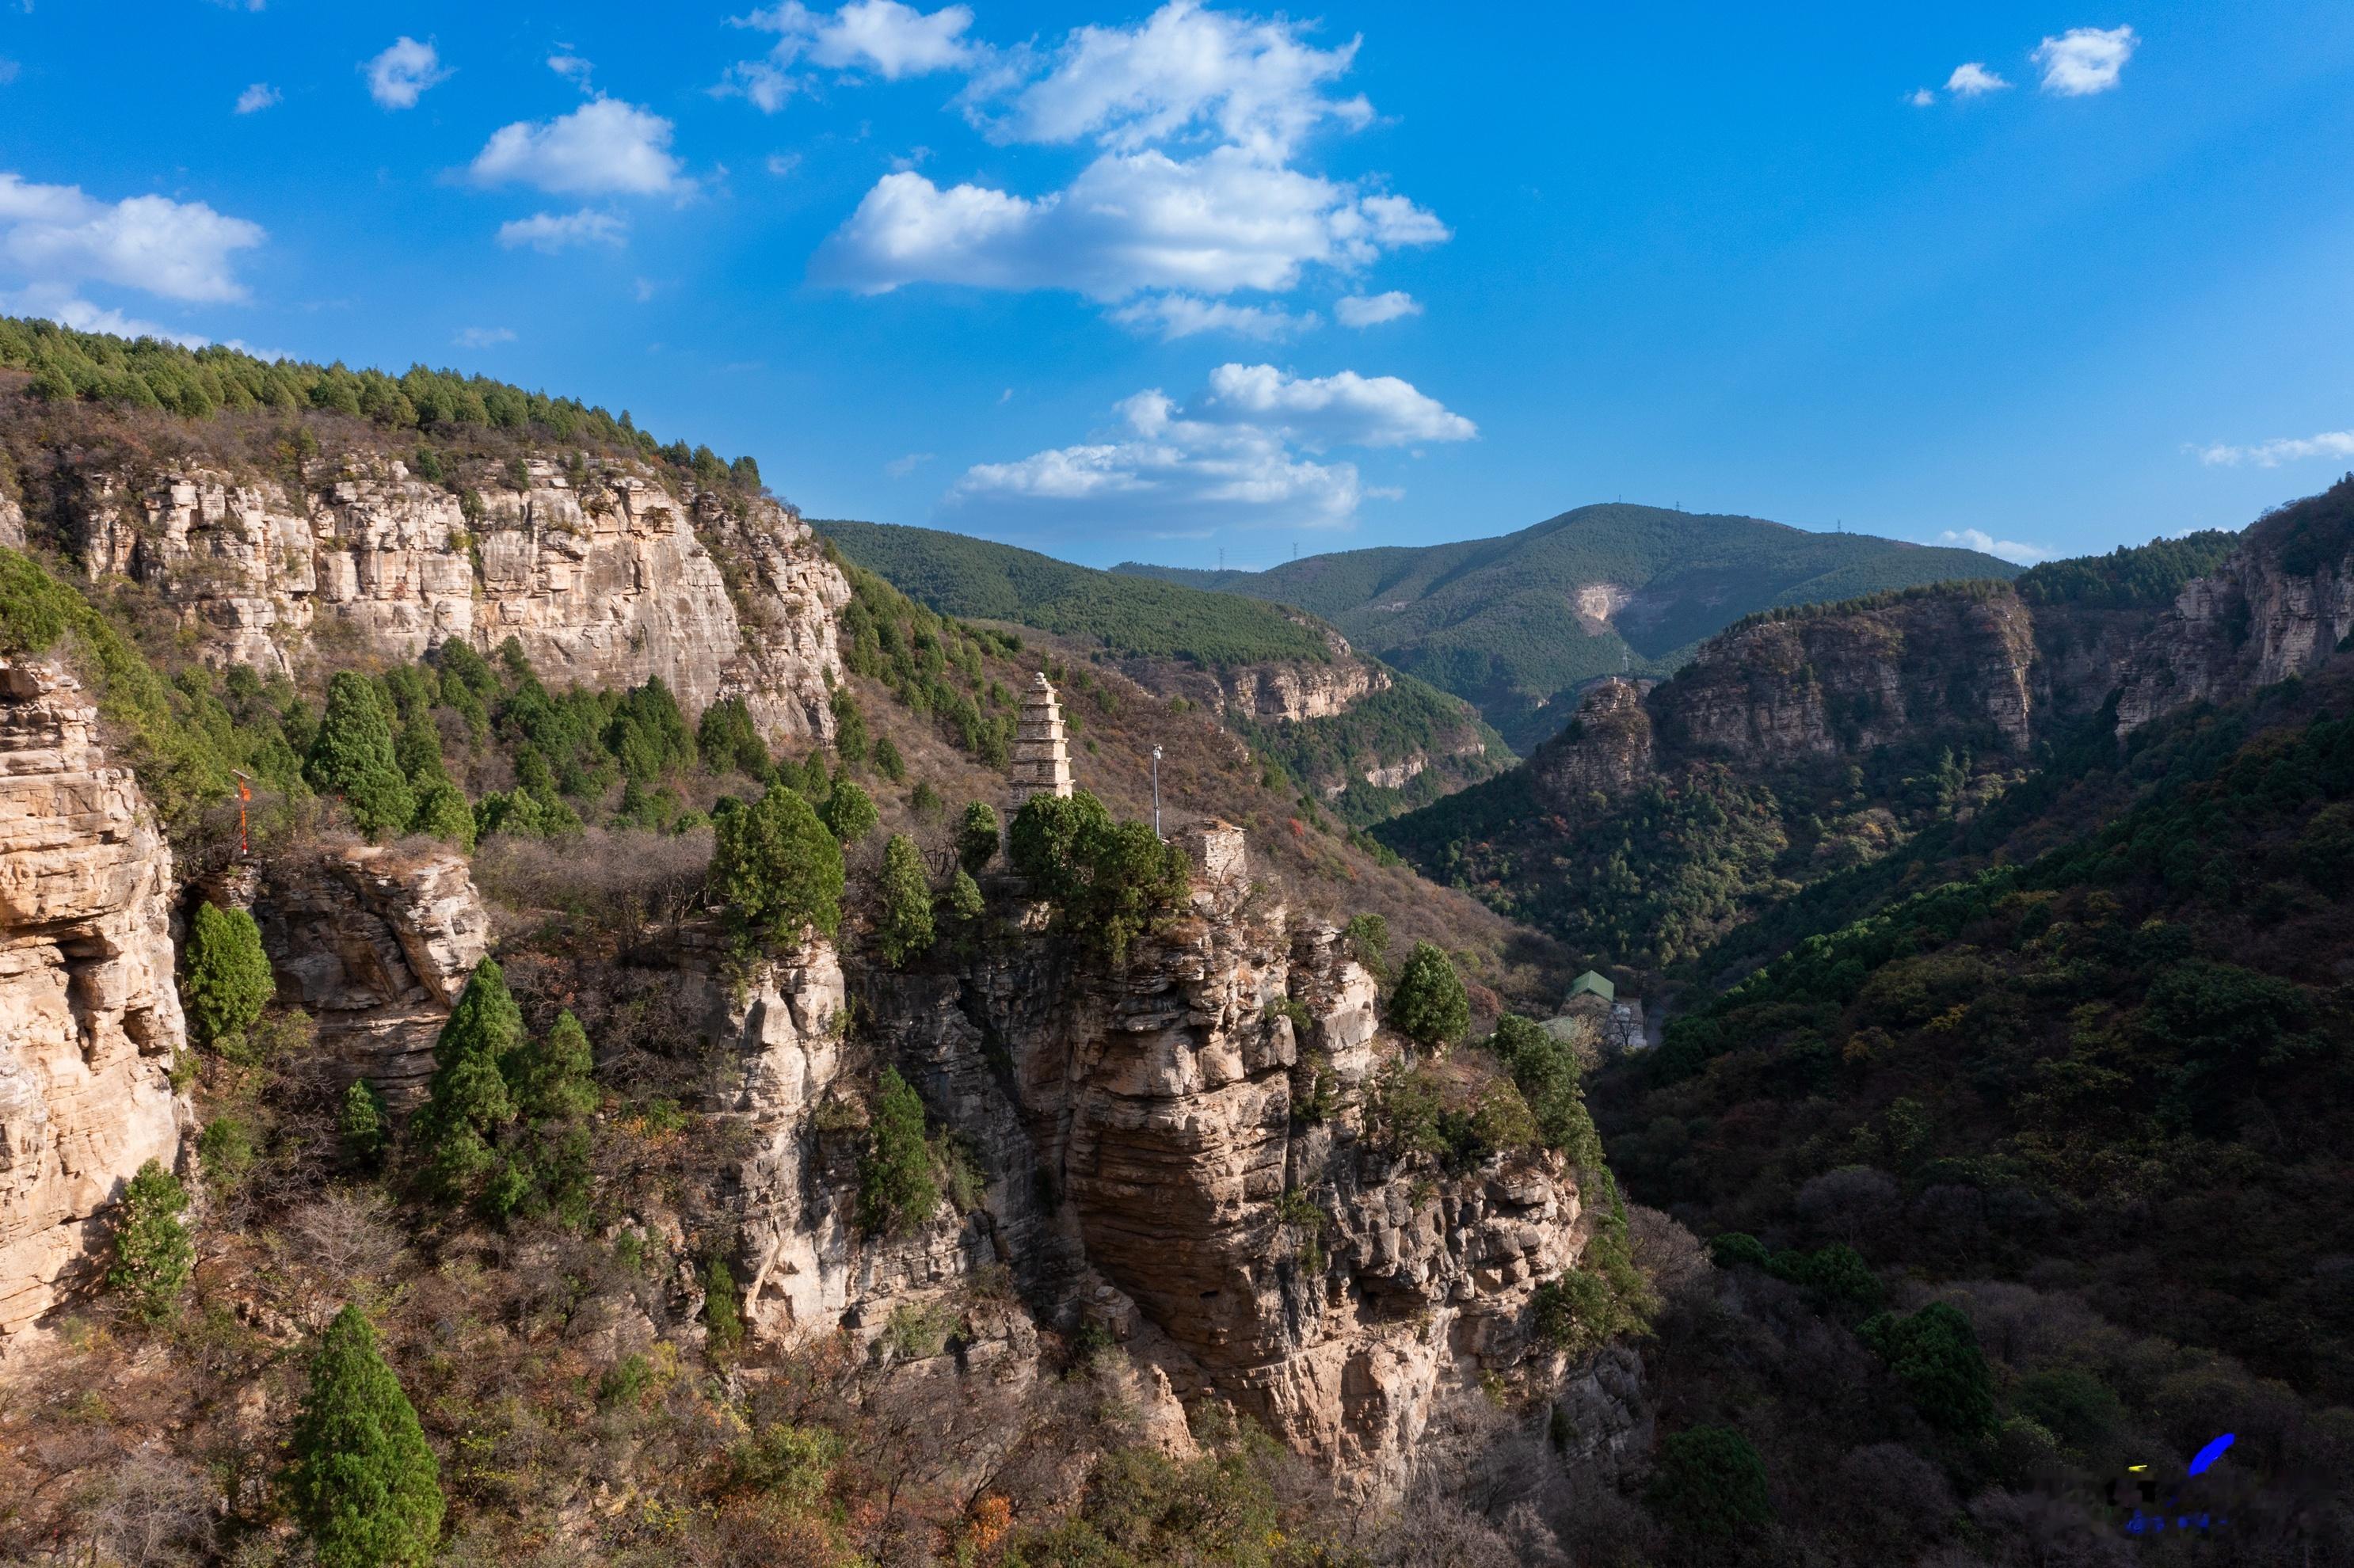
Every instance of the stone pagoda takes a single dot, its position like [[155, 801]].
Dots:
[[1042, 758]]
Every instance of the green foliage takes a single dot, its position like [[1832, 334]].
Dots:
[[778, 869], [727, 738], [441, 812], [1710, 1483], [887, 760], [153, 1255], [469, 1100], [365, 1125], [227, 981], [896, 1192], [559, 1077], [902, 927], [1141, 1506], [1108, 880], [1367, 939], [363, 1484], [963, 897], [723, 1319], [1546, 1070], [2130, 576], [931, 666], [1736, 1249], [1836, 1272], [352, 757], [849, 726], [1429, 1005], [976, 837], [790, 1466], [1935, 1354], [648, 735], [849, 814]]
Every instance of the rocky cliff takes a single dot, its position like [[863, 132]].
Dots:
[[607, 575], [2280, 606], [89, 1018]]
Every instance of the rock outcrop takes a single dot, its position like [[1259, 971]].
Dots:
[[604, 575], [376, 945], [1290, 692], [2279, 606], [89, 1018]]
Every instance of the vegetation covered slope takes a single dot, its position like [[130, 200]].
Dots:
[[1501, 621]]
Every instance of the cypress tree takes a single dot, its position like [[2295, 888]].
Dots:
[[561, 1079], [469, 1100], [352, 755], [1429, 1005], [896, 1190], [365, 1124], [904, 931], [975, 838], [779, 870], [850, 812], [228, 980], [153, 1254], [364, 1483]]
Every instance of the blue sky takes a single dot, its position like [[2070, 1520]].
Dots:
[[1117, 281]]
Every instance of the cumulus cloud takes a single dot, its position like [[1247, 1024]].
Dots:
[[482, 338], [571, 67], [1920, 98], [1130, 222], [1365, 311], [257, 98], [2084, 61], [1988, 545], [1176, 316], [603, 147], [550, 232], [1248, 451], [877, 37], [399, 76], [178, 250], [2272, 453], [1250, 83], [1971, 79]]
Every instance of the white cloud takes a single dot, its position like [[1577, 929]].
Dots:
[[1988, 545], [1971, 79], [571, 67], [179, 250], [901, 467], [2272, 453], [398, 77], [60, 304], [881, 37], [550, 232], [1130, 222], [257, 98], [1248, 452], [1176, 316], [1254, 84], [603, 146], [1360, 311], [1921, 98], [9, 70], [2084, 61], [783, 164], [763, 83]]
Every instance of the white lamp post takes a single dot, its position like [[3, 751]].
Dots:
[[1156, 792]]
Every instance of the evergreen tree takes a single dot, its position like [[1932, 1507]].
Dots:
[[896, 1190], [469, 1100], [964, 899], [903, 932], [721, 1317], [887, 760], [442, 813], [351, 757], [561, 1080], [364, 1484], [1935, 1354], [976, 837], [1710, 1483], [152, 1253], [849, 726], [365, 1124], [778, 869], [228, 980], [1429, 1005], [850, 812], [1052, 842]]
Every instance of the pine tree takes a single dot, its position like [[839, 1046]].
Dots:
[[1429, 1005], [850, 812], [561, 1080], [779, 870], [351, 757], [976, 839], [228, 980], [896, 1190], [903, 932], [365, 1124], [469, 1100], [364, 1483], [442, 811], [152, 1253]]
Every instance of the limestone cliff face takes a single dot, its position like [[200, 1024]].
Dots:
[[1290, 692], [1135, 1135], [89, 1018], [605, 583], [2279, 606], [1606, 749]]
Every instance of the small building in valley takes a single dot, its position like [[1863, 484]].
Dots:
[[1617, 1021]]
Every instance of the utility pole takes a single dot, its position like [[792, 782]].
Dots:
[[1156, 792]]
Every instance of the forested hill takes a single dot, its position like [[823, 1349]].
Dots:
[[1511, 623]]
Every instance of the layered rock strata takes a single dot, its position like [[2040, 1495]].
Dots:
[[89, 1018]]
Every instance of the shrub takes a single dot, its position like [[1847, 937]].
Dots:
[[895, 1189], [441, 812], [779, 870], [1935, 1354], [903, 932], [790, 1464], [976, 837], [721, 1316], [1710, 1483], [364, 1484], [1430, 1006], [227, 981], [152, 1253], [1735, 1249], [352, 757], [849, 814], [887, 760]]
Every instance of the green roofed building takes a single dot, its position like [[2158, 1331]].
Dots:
[[1592, 984]]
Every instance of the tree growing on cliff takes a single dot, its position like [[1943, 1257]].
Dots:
[[976, 837], [849, 726], [469, 1100], [902, 930], [559, 1077], [778, 869], [351, 757], [895, 1189], [850, 812], [365, 1124], [364, 1483], [152, 1253], [228, 982], [1430, 1006]]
